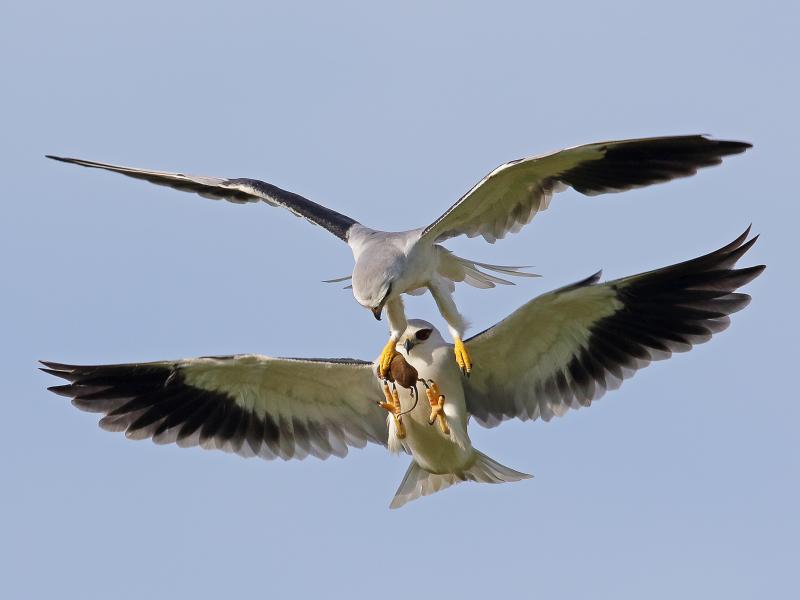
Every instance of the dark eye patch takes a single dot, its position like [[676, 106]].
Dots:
[[423, 334]]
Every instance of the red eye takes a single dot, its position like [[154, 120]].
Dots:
[[423, 334]]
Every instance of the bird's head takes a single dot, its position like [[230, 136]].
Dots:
[[420, 335], [377, 307], [374, 278]]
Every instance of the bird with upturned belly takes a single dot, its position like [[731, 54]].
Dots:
[[557, 352]]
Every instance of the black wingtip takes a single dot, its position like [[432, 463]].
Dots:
[[71, 161], [65, 390], [737, 243], [52, 372], [590, 280], [710, 137], [735, 147], [57, 366], [746, 246], [719, 147]]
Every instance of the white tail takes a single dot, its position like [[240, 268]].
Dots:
[[455, 268], [419, 482]]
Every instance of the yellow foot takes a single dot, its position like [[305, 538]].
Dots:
[[462, 357], [385, 360], [392, 404], [436, 399]]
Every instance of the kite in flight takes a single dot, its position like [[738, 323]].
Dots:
[[389, 264], [561, 350]]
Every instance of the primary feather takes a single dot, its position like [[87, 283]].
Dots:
[[511, 195], [248, 404], [566, 348], [388, 265]]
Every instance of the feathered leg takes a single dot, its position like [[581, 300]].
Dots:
[[395, 314], [455, 322]]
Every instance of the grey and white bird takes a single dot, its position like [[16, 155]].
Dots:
[[559, 351], [389, 264]]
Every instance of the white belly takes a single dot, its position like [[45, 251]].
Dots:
[[431, 449]]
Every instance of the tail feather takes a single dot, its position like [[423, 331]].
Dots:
[[455, 268], [418, 482]]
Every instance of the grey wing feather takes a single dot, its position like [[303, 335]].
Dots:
[[510, 196], [248, 404], [564, 349], [239, 191]]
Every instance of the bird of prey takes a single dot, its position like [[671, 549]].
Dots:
[[559, 351], [389, 264]]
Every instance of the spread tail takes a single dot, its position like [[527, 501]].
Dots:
[[455, 268], [419, 482]]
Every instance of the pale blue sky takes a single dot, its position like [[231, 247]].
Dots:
[[684, 483]]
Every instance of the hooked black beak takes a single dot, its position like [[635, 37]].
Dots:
[[408, 345], [377, 310]]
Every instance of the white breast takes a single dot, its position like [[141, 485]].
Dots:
[[431, 449]]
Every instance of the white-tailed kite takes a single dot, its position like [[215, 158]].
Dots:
[[559, 351], [409, 262]]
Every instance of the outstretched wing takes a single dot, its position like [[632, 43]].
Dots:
[[239, 191], [509, 197], [566, 348], [247, 404]]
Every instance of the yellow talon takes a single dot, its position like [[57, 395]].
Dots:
[[385, 361], [462, 357], [392, 405], [436, 399]]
